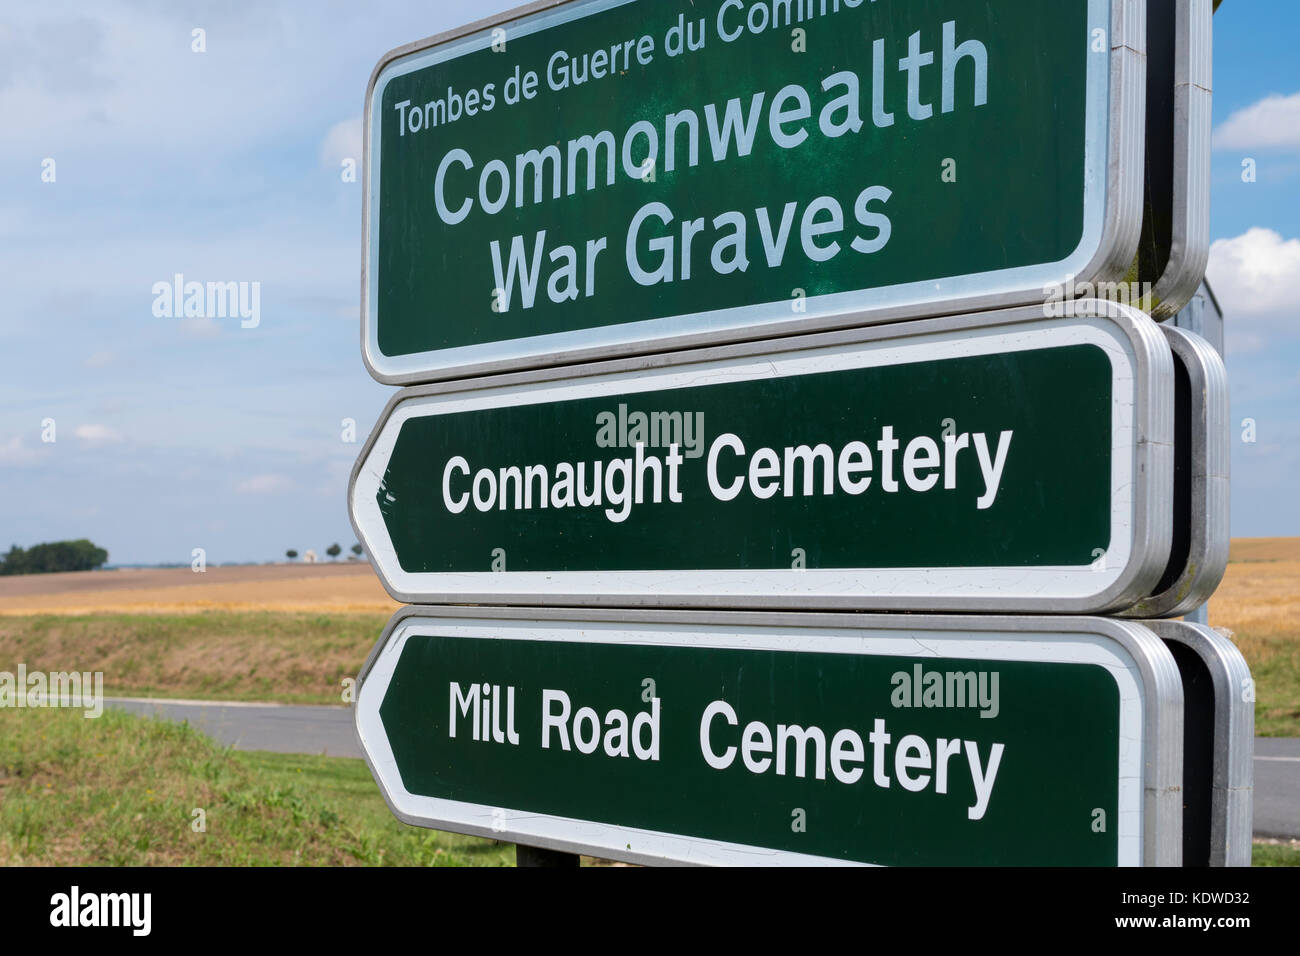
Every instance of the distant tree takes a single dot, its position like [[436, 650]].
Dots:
[[79, 555], [334, 550], [357, 550], [291, 554]]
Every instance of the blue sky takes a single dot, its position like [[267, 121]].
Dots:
[[1255, 259], [173, 434]]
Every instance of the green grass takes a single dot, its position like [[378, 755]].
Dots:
[[286, 657], [1276, 854], [1276, 710], [1275, 668], [121, 790]]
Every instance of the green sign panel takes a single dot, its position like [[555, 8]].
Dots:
[[1012, 743], [604, 177], [977, 468]]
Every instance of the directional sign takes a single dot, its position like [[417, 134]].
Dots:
[[1199, 555], [766, 740], [1218, 744], [1176, 221], [600, 178], [992, 462]]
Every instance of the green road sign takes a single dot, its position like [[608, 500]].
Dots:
[[599, 178], [761, 739], [1000, 461]]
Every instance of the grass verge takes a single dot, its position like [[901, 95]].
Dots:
[[121, 790], [1275, 667], [291, 658], [1276, 853]]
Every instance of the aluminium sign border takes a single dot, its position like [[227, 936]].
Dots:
[[1206, 520], [1151, 732], [1141, 476], [1231, 774], [1189, 251], [1114, 137]]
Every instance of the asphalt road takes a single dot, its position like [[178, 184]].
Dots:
[[1277, 787], [328, 730], [283, 729]]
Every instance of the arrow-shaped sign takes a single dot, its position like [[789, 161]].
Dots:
[[781, 739], [1000, 461]]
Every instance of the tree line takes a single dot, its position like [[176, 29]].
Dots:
[[334, 550], [79, 555]]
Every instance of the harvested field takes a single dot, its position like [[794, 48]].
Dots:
[[345, 587], [288, 631], [290, 657]]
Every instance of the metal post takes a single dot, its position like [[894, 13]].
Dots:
[[1203, 316], [536, 856]]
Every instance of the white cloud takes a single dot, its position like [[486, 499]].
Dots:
[[343, 141], [1256, 274], [1271, 123], [264, 485], [96, 433]]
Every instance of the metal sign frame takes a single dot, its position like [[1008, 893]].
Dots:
[[1193, 80], [1142, 476], [1231, 774], [1114, 134], [1149, 750], [1198, 561]]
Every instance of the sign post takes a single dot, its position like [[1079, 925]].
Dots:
[[763, 739], [724, 315], [598, 178]]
